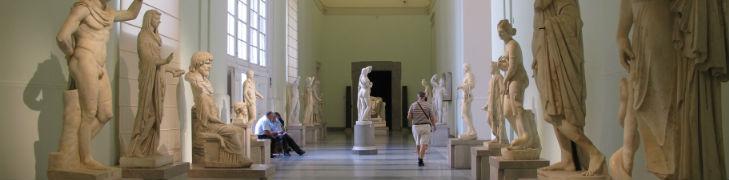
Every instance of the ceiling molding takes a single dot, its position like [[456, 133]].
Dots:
[[320, 5], [377, 11]]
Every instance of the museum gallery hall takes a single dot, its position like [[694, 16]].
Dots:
[[364, 89]]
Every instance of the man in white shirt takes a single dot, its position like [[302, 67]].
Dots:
[[268, 127]]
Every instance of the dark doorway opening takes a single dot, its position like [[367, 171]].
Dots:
[[382, 87]]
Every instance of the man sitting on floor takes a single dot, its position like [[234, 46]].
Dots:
[[268, 127]]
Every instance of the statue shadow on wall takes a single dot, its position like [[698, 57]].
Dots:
[[44, 93]]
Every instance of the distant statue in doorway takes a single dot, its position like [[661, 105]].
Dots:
[[363, 95]]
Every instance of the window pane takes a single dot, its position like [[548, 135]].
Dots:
[[231, 6], [242, 31], [262, 41], [231, 25], [262, 56], [263, 25], [254, 5], [254, 37], [244, 1], [242, 12], [242, 52], [254, 55], [254, 20], [231, 45], [262, 9]]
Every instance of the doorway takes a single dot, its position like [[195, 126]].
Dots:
[[382, 87], [385, 76]]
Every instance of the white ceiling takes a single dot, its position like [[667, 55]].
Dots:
[[376, 3]]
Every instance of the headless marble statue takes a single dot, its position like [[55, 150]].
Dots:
[[206, 122], [363, 95], [293, 105], [467, 87], [438, 92], [88, 102]]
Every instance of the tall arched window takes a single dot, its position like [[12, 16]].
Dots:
[[246, 31]]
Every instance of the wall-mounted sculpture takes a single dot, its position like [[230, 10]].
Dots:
[[467, 87], [526, 144], [153, 71], [251, 96], [560, 76], [88, 103], [312, 101], [438, 92], [495, 106], [363, 95], [293, 104], [676, 58], [206, 125]]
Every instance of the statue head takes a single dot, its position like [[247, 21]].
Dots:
[[151, 20], [250, 74], [424, 82], [506, 30], [434, 79], [467, 67], [367, 70], [240, 109], [201, 62]]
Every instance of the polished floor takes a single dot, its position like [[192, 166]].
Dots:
[[333, 159]]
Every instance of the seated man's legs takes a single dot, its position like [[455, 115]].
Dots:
[[288, 141], [275, 142]]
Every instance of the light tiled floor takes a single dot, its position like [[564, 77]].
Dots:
[[396, 159]]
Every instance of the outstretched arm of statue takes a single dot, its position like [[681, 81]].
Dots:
[[625, 23], [131, 13], [176, 72], [65, 35], [258, 95]]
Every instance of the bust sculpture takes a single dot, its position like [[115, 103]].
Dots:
[[251, 95], [152, 81], [560, 77], [88, 102], [363, 96], [240, 113], [206, 125], [438, 92], [467, 87], [293, 105]]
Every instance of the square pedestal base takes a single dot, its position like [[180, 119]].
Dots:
[[480, 161], [146, 162], [256, 171], [515, 169], [364, 138], [459, 152], [261, 151], [567, 175], [382, 131], [298, 134], [173, 171], [439, 138], [112, 173], [322, 131], [312, 134]]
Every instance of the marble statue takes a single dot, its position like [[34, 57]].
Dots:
[[378, 107], [240, 113], [526, 144], [494, 106], [319, 110], [427, 89], [466, 87], [206, 123], [363, 96], [672, 99], [312, 100], [293, 105], [560, 77], [88, 101], [251, 95], [438, 92], [152, 82]]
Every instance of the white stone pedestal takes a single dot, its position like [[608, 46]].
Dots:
[[364, 138], [145, 162], [298, 134], [256, 171], [172, 171], [460, 152], [515, 169], [322, 131], [112, 173], [480, 160], [261, 151], [567, 175], [440, 137], [311, 134]]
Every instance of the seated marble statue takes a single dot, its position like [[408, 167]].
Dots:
[[378, 107], [206, 124]]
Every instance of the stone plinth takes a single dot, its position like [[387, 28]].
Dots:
[[256, 171], [145, 162], [459, 152], [298, 134], [172, 171], [364, 138], [515, 169], [440, 137], [112, 173], [261, 151], [312, 134], [480, 160], [567, 175], [322, 131]]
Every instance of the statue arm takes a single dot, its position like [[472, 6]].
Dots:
[[65, 35], [131, 13], [625, 23], [512, 63], [258, 95]]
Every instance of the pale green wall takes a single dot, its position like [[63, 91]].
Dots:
[[32, 79], [352, 38], [311, 21], [448, 50]]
